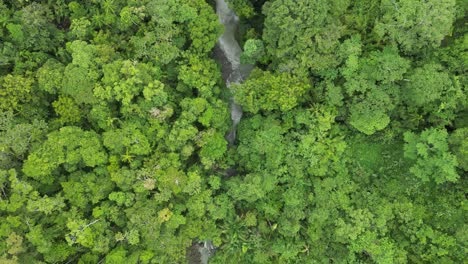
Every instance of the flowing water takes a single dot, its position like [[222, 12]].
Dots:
[[228, 55], [227, 52]]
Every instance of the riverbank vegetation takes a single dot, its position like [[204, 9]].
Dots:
[[353, 147]]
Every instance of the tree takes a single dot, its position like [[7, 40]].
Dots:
[[282, 156], [415, 25], [18, 139], [84, 189], [370, 114], [351, 147], [213, 147], [426, 85], [67, 110], [15, 90], [242, 8], [43, 241], [80, 28], [34, 30], [80, 75], [116, 256], [267, 91], [87, 233], [458, 142], [129, 82], [371, 83], [70, 147], [253, 51], [303, 35], [431, 156], [201, 74], [203, 27], [130, 16], [49, 76], [430, 91], [149, 47], [128, 140]]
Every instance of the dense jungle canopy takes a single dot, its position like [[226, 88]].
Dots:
[[353, 145]]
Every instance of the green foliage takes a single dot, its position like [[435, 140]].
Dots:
[[253, 51], [303, 35], [67, 110], [201, 74], [268, 91], [433, 161], [17, 139], [14, 91], [415, 25], [70, 147], [371, 83], [34, 29], [127, 141], [124, 81], [426, 85], [369, 115], [352, 147], [458, 141], [213, 147], [149, 47], [242, 8], [203, 27], [49, 76], [431, 91], [78, 83]]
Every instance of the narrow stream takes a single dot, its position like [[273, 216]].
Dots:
[[227, 52], [228, 55]]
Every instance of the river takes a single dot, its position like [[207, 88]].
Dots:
[[229, 57], [227, 52]]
